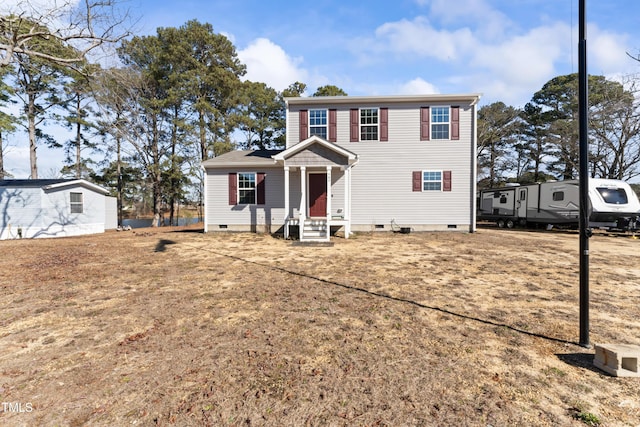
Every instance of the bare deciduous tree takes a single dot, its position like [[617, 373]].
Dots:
[[85, 25]]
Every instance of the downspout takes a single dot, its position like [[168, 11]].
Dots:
[[474, 164]]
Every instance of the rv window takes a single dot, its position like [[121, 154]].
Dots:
[[558, 196], [523, 195], [503, 198], [615, 196], [496, 195]]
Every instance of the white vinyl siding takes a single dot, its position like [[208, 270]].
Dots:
[[219, 212], [382, 179]]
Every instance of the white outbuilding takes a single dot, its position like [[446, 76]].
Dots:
[[34, 208]]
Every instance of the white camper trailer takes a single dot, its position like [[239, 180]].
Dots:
[[613, 204]]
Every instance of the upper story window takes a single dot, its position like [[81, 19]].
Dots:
[[368, 124], [76, 202], [318, 123], [439, 122], [246, 188]]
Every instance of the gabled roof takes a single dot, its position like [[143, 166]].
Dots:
[[50, 184], [283, 155], [248, 158]]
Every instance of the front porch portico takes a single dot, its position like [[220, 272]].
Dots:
[[323, 170]]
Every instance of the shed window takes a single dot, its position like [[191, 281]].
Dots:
[[76, 202]]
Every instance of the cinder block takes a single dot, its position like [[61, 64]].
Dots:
[[619, 360]]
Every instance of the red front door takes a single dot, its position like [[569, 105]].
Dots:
[[317, 194]]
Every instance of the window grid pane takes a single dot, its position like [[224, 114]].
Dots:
[[431, 181], [369, 116], [440, 131]]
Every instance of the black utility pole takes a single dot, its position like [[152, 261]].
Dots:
[[585, 232]]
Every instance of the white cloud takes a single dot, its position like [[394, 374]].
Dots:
[[268, 63], [607, 52], [527, 58], [477, 13], [420, 37], [417, 86]]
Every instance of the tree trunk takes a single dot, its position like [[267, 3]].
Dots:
[[2, 172], [156, 175], [31, 117], [119, 184], [78, 140], [203, 136]]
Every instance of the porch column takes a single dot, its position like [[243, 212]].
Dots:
[[286, 202], [347, 202], [303, 195], [328, 200]]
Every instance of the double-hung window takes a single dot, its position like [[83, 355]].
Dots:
[[431, 181], [246, 188], [440, 122], [76, 203], [318, 123], [368, 124]]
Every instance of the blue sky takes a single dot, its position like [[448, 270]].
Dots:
[[504, 49]]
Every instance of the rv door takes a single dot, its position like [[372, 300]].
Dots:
[[521, 204]]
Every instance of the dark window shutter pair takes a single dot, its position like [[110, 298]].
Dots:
[[425, 125], [304, 125], [417, 181], [354, 115], [260, 188]]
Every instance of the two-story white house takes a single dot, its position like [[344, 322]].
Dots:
[[358, 163]]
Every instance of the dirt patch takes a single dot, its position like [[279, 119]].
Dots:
[[176, 327]]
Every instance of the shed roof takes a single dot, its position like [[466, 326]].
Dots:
[[50, 184], [30, 183]]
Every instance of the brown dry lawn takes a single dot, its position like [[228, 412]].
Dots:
[[175, 327]]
